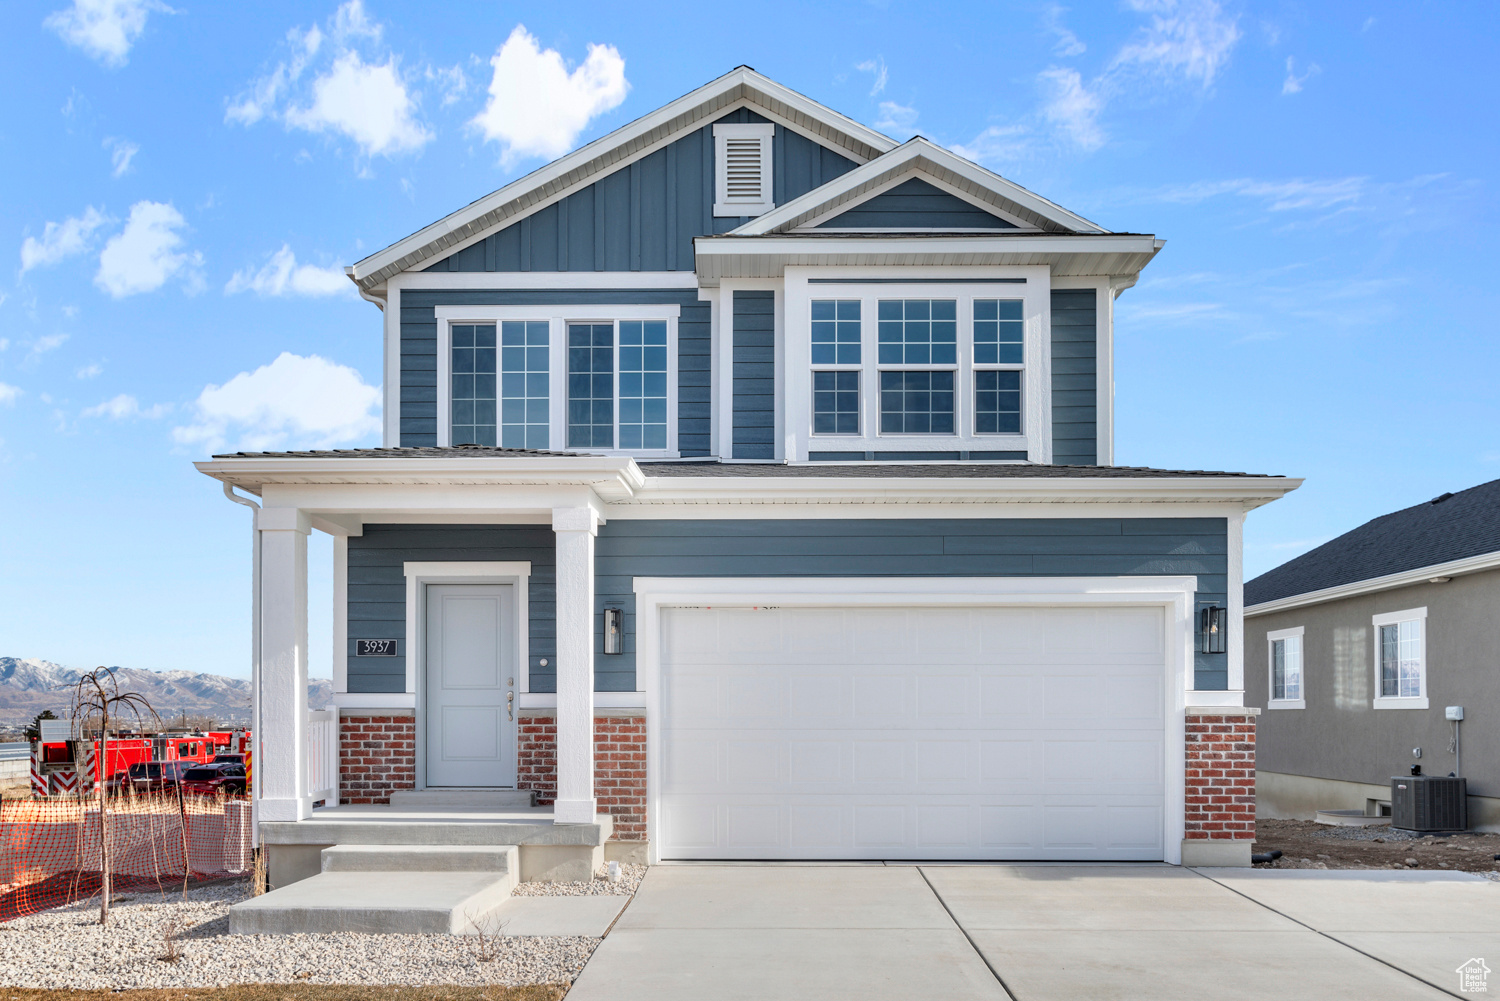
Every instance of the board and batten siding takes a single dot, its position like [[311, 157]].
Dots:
[[862, 547], [915, 204], [754, 375], [644, 216], [1075, 378], [419, 414]]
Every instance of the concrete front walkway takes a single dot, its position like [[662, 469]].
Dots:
[[1042, 932]]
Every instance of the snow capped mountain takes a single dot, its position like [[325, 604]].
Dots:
[[28, 685]]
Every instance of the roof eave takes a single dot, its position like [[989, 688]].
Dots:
[[1388, 582]]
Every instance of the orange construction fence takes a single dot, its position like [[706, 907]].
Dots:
[[51, 849]]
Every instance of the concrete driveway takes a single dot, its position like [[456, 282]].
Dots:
[[1042, 932]]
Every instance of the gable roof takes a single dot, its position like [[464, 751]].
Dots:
[[608, 153], [920, 158], [1447, 528]]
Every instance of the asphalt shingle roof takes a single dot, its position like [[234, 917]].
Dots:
[[1446, 528]]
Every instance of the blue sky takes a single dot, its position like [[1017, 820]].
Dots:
[[183, 185]]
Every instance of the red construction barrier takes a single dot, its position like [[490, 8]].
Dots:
[[50, 849]]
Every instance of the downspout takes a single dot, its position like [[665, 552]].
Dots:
[[257, 758]]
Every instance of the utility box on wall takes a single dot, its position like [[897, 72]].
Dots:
[[1429, 803]]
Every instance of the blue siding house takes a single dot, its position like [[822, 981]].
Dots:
[[774, 458]]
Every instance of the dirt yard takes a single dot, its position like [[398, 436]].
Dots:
[[284, 992], [1306, 845]]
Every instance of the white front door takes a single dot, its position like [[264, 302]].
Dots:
[[913, 733], [470, 685]]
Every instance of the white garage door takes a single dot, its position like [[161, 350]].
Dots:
[[912, 733]]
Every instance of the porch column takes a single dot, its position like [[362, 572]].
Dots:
[[575, 528], [280, 754]]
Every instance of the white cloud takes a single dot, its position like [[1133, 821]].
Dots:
[[60, 240], [368, 103], [4, 343], [453, 81], [145, 254], [9, 394], [896, 117], [1293, 83], [265, 92], [90, 370], [104, 29], [536, 107], [282, 275], [1073, 107], [997, 143], [121, 152], [1068, 44], [877, 67], [1186, 38], [126, 406], [294, 402], [1278, 196], [49, 342], [351, 21]]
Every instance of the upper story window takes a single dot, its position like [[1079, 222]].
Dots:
[[1401, 659], [1284, 666], [742, 168], [955, 368], [578, 378]]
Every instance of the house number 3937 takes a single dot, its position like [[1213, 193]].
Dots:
[[374, 648]]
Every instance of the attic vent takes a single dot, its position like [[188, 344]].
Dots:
[[742, 162], [1440, 498]]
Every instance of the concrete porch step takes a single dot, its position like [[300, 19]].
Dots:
[[476, 799], [421, 858], [377, 903]]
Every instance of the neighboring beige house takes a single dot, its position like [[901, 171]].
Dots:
[[1362, 650]]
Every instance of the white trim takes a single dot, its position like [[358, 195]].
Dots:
[[911, 154], [1036, 388], [1028, 243], [597, 155], [340, 613], [1392, 619], [815, 224], [724, 204], [1104, 362], [1235, 605], [549, 280], [420, 574], [374, 700], [1272, 702], [715, 338], [1420, 575], [558, 317], [1173, 594]]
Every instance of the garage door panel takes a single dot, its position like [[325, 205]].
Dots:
[[913, 733]]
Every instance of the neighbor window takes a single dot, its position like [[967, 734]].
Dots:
[[1401, 660], [474, 384], [1285, 650]]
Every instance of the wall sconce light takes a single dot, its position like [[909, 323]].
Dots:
[[1213, 627], [614, 630]]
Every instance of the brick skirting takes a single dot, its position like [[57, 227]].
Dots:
[[619, 767], [1220, 759], [377, 756]]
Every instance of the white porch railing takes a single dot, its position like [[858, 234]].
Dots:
[[323, 755]]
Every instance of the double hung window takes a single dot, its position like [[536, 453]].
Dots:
[[918, 361], [1401, 659], [836, 354], [1284, 652], [473, 391], [639, 354], [999, 350]]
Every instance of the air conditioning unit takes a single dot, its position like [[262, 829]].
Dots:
[[1429, 803]]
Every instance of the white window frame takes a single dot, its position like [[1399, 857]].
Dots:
[[1272, 638], [1035, 438], [558, 317], [723, 205], [1391, 619]]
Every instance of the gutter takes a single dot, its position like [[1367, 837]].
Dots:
[[257, 758], [1405, 578]]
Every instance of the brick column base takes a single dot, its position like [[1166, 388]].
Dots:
[[619, 767], [377, 756], [1219, 815]]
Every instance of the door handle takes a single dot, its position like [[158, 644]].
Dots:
[[510, 706]]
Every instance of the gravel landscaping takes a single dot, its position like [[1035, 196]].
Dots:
[[65, 948], [1308, 845], [600, 886]]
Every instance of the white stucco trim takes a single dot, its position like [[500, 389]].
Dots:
[[1173, 594], [1406, 578]]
